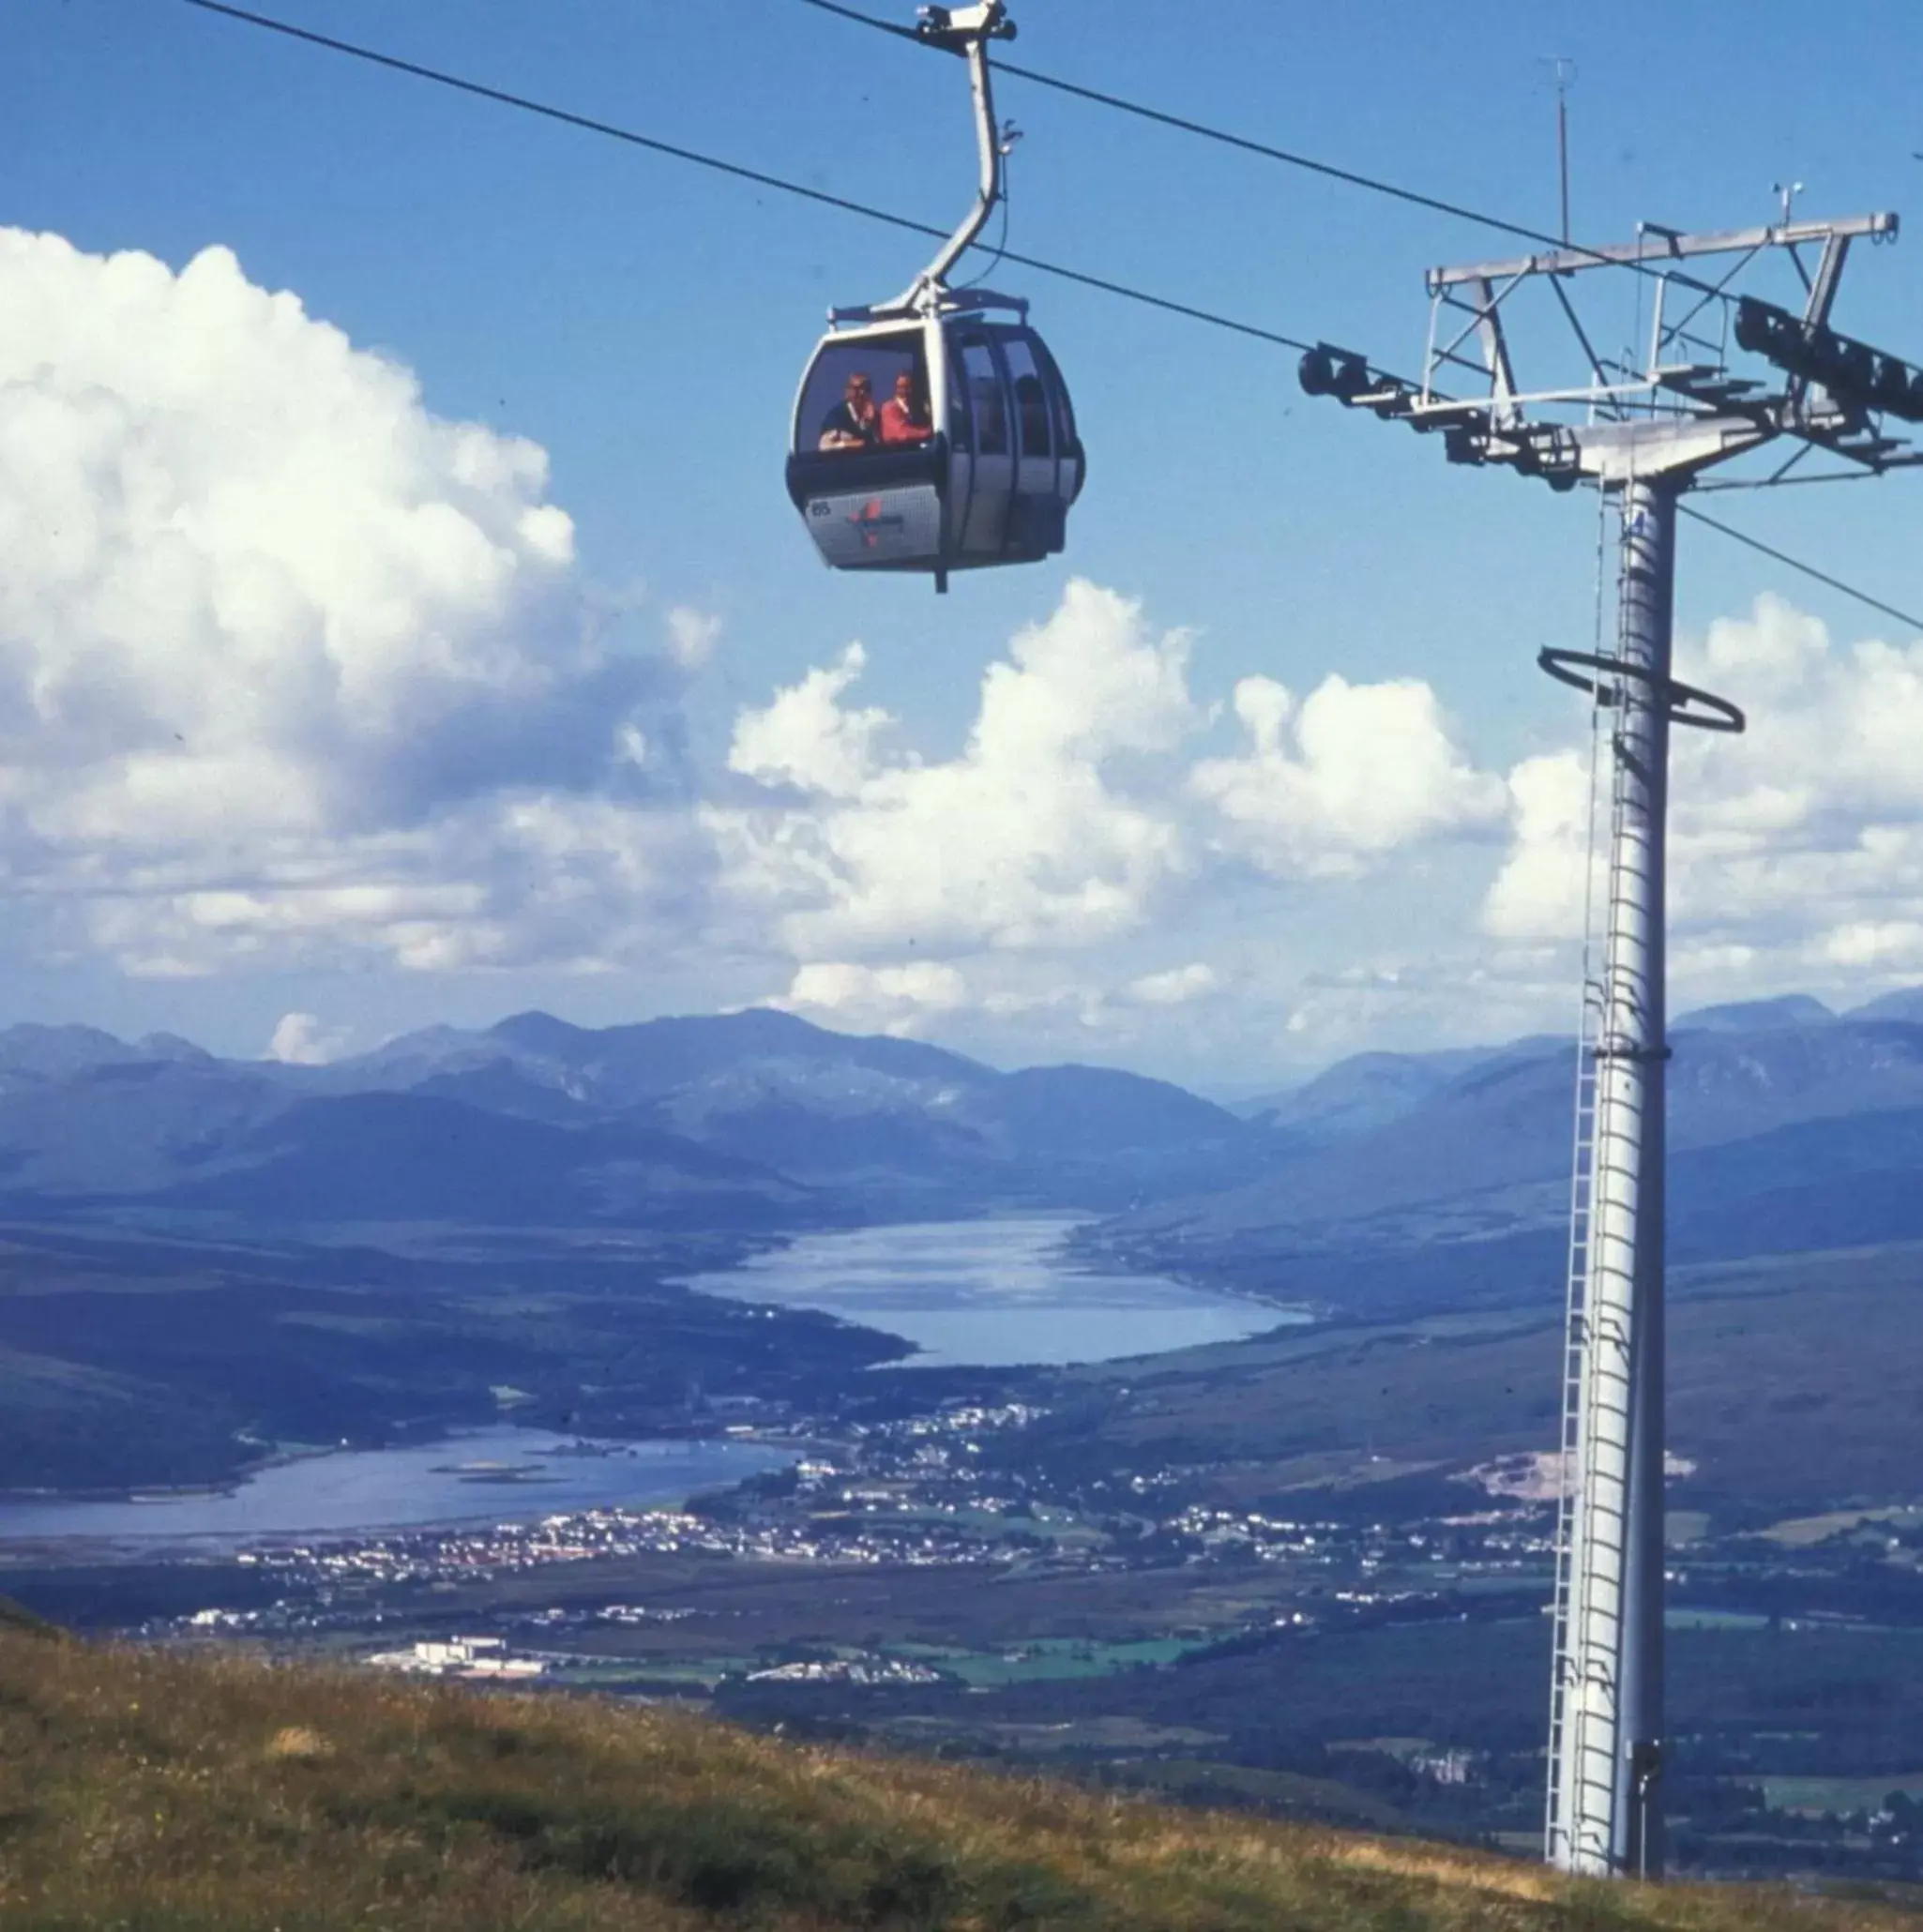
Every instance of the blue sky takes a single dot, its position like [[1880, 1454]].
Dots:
[[645, 324]]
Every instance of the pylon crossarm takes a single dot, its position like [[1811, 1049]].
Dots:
[[1631, 389], [1657, 244], [1869, 452], [1684, 408], [1649, 448], [1708, 385]]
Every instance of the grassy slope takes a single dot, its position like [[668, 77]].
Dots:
[[165, 1792]]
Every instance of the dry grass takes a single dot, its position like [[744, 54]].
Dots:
[[155, 1794]]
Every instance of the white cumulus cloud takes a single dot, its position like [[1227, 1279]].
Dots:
[[288, 664], [1331, 782], [1538, 893], [888, 999], [1076, 816], [1796, 849], [807, 738], [300, 1040], [1176, 986], [1031, 835]]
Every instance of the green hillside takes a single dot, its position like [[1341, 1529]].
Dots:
[[160, 1793]]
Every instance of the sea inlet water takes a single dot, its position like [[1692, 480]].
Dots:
[[992, 1293], [493, 1475]]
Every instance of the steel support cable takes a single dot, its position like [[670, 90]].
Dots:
[[760, 179], [1835, 583], [1308, 163], [588, 124]]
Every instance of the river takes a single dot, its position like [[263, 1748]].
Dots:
[[992, 1293]]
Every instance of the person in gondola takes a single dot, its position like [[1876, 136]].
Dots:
[[904, 415], [854, 423]]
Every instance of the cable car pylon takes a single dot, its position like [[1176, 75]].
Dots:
[[934, 432], [1644, 437]]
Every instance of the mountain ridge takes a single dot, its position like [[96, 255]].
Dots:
[[1789, 1129], [575, 1125], [760, 1120]]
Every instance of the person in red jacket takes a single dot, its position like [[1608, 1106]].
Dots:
[[904, 415]]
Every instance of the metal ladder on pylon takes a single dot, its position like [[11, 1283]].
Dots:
[[1577, 1358], [1581, 1206], [1589, 1384]]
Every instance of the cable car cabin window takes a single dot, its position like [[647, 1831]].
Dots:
[[865, 396], [1058, 390], [961, 432], [988, 394], [1031, 398]]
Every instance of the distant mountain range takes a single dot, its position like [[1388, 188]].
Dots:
[[1427, 1178], [740, 1122], [1390, 1181]]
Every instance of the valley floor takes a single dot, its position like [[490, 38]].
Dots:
[[1303, 1575]]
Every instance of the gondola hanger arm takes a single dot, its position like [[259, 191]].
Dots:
[[967, 31]]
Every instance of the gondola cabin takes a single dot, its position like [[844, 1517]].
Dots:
[[935, 443]]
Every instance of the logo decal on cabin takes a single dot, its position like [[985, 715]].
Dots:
[[873, 525]]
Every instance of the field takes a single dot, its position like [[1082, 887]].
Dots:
[[1837, 1796], [1179, 1677]]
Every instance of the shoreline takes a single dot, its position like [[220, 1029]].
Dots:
[[160, 1495], [923, 1296]]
